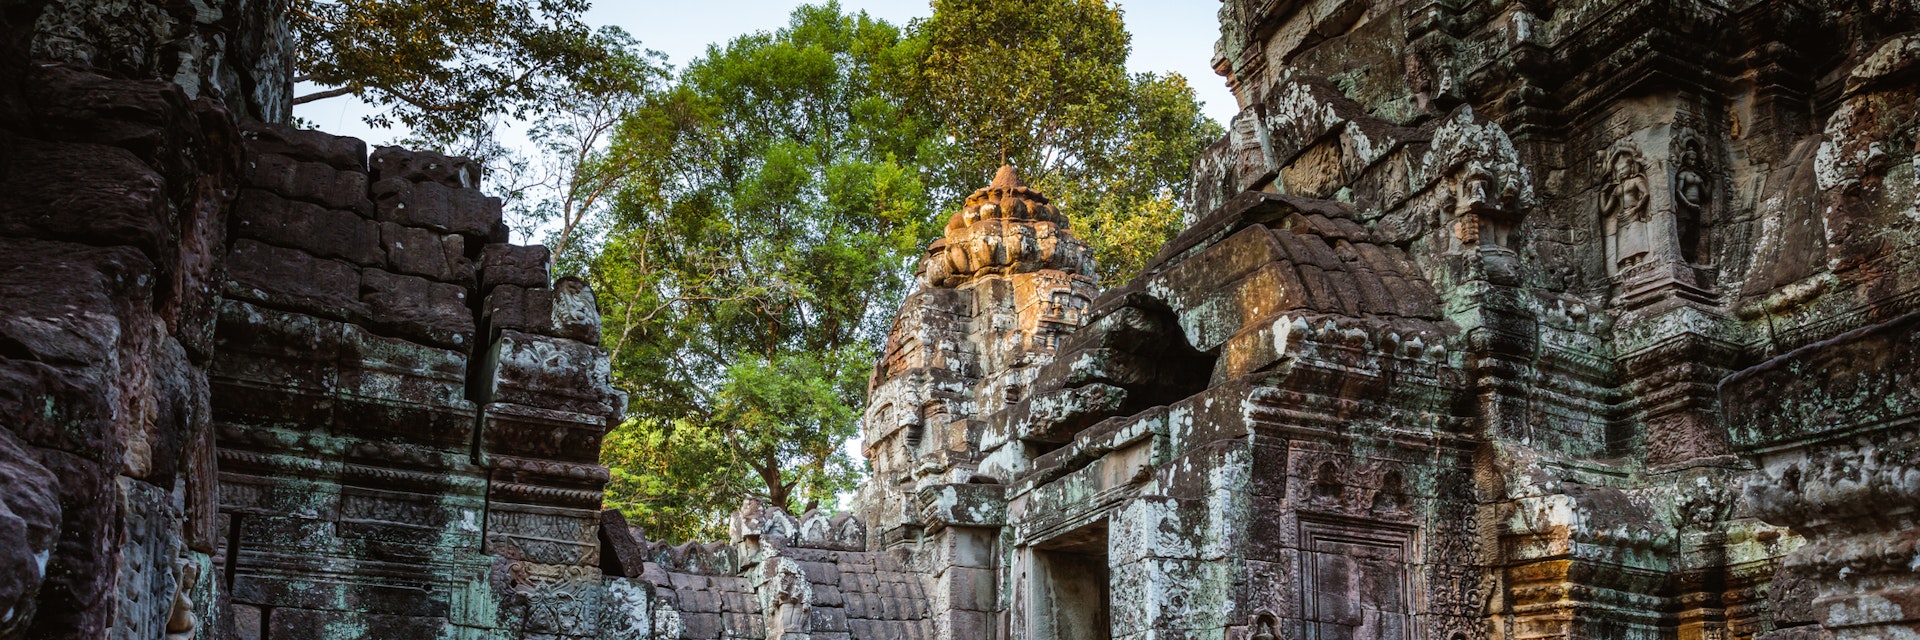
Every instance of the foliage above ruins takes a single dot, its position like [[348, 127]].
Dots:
[[1043, 85], [778, 194], [756, 246], [444, 69]]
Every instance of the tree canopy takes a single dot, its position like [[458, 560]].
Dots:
[[1043, 85], [445, 68], [773, 200], [754, 253]]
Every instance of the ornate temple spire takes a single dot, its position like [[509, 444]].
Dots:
[[999, 291], [1006, 178], [1005, 228]]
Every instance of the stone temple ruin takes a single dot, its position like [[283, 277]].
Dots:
[[1583, 319]]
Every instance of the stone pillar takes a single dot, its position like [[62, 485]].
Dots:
[[546, 401], [1673, 355], [1673, 340], [962, 545]]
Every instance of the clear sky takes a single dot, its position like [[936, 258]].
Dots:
[[1168, 35]]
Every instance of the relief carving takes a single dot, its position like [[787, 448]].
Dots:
[[1625, 209], [629, 610], [786, 596], [181, 621], [1375, 489], [1355, 581], [1483, 192], [1471, 442], [1691, 195], [551, 599]]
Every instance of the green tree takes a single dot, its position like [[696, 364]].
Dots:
[[445, 69], [1042, 84], [780, 191], [755, 252], [566, 185]]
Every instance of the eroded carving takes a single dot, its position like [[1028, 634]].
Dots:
[[1625, 209]]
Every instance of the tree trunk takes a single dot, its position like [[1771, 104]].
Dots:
[[777, 492]]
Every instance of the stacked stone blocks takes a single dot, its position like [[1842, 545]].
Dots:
[[409, 414]]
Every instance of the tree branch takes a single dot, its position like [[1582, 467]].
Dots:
[[322, 95]]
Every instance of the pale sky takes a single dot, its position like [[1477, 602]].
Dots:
[[1168, 35]]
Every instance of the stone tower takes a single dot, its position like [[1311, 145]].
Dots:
[[998, 291]]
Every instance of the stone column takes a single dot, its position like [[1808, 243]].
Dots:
[[963, 551]]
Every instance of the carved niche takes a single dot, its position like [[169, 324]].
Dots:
[[1655, 209], [1692, 196], [1357, 542], [1354, 579], [1482, 191]]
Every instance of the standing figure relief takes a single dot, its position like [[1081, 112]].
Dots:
[[1625, 210], [1690, 198]]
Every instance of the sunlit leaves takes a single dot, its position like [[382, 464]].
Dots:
[[1043, 84], [444, 67], [751, 264]]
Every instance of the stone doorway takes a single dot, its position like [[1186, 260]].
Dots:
[[1069, 583]]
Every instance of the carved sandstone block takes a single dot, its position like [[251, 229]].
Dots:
[[329, 233], [433, 313], [521, 266], [565, 311], [420, 252], [542, 371], [423, 166], [436, 206], [305, 145], [292, 279], [88, 193], [314, 182]]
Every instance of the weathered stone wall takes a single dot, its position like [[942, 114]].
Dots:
[[258, 385], [408, 411], [1574, 319], [1491, 319], [118, 155]]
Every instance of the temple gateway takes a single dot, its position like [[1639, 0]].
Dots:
[[1515, 319]]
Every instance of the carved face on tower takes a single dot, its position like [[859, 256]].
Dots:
[[1483, 188], [1484, 209], [1476, 194]]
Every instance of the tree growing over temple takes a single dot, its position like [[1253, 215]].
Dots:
[[779, 194]]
